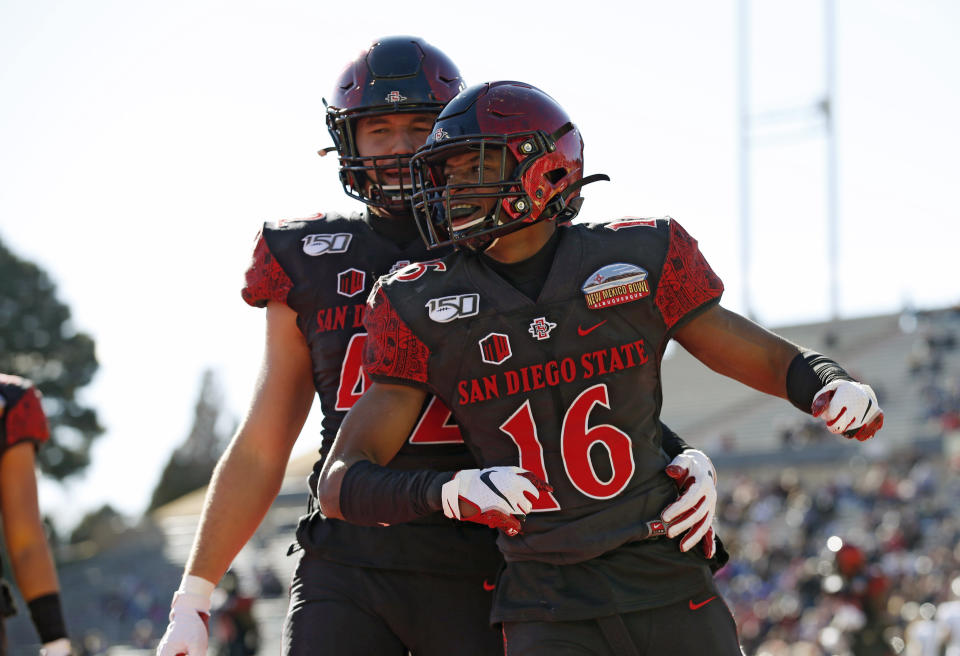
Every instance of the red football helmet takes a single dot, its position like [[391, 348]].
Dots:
[[397, 74], [529, 133]]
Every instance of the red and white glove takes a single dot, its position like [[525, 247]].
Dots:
[[188, 630], [849, 408], [499, 494], [58, 647], [694, 509]]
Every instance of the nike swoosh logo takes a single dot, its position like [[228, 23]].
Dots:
[[694, 606], [485, 477], [489, 587], [869, 405], [582, 332]]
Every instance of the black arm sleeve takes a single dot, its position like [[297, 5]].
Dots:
[[809, 371], [372, 495], [47, 617], [672, 443]]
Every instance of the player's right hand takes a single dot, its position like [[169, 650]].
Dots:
[[499, 497], [188, 630]]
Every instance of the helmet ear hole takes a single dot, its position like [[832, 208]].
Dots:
[[555, 176]]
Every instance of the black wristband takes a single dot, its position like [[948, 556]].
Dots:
[[809, 371], [673, 445], [372, 495], [47, 617]]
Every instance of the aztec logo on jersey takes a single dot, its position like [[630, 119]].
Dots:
[[414, 271], [614, 284], [495, 348], [448, 308], [540, 328], [351, 282], [631, 223], [321, 244]]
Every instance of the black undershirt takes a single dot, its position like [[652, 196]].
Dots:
[[401, 230], [529, 275]]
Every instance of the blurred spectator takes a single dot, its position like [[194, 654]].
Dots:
[[233, 627], [923, 637], [948, 619]]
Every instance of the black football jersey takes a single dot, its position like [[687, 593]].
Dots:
[[567, 387], [323, 268], [21, 416]]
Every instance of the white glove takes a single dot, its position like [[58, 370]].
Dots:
[[849, 408], [58, 647], [693, 511], [498, 493], [187, 631]]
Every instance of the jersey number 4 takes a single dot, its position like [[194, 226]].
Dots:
[[436, 425], [577, 439]]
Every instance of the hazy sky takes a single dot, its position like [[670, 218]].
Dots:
[[143, 143]]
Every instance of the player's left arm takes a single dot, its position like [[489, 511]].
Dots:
[[27, 547], [737, 347]]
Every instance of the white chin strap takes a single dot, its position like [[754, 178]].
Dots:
[[491, 244]]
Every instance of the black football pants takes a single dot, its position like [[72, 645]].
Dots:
[[356, 611], [691, 627]]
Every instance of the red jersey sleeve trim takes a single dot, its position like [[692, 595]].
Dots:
[[686, 281], [265, 279], [391, 349], [26, 420]]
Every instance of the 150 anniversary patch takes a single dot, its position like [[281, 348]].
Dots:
[[614, 284]]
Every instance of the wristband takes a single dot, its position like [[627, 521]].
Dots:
[[372, 495], [196, 585], [47, 617], [808, 373]]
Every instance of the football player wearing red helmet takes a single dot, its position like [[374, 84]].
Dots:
[[23, 428], [545, 339], [420, 586]]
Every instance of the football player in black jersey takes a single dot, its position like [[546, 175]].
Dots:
[[545, 339], [23, 428], [421, 586]]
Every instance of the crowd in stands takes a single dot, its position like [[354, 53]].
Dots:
[[848, 563]]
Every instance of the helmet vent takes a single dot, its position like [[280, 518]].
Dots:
[[555, 176]]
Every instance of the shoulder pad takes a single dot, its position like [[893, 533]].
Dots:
[[23, 418], [634, 222], [265, 280]]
